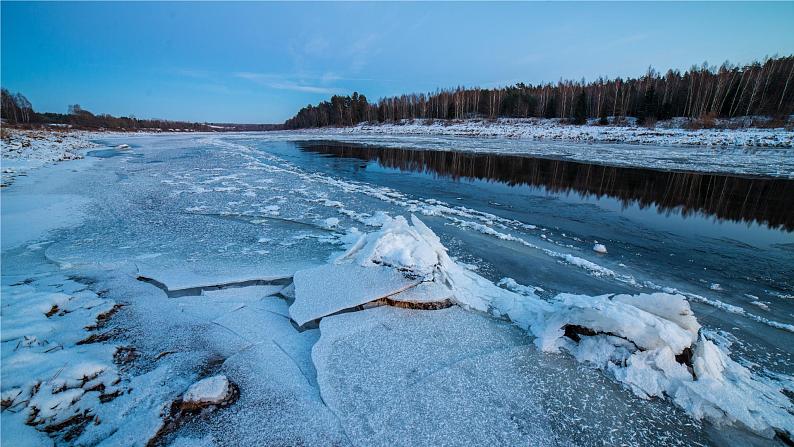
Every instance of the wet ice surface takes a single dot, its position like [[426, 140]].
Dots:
[[192, 213]]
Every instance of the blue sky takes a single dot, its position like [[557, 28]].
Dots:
[[261, 62]]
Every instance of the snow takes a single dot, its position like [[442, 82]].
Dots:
[[24, 150], [48, 374], [735, 151], [551, 129], [331, 222], [208, 391]]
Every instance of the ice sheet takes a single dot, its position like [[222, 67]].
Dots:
[[328, 289], [451, 377]]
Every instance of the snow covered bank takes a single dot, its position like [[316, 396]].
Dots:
[[23, 150], [54, 373], [552, 129], [652, 343]]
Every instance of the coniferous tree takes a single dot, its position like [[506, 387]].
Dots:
[[765, 88]]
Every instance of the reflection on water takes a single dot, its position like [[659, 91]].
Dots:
[[747, 199]]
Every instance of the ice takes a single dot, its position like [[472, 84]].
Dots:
[[705, 150], [180, 279], [451, 377], [218, 304], [277, 406], [328, 289], [185, 441], [207, 391], [425, 292], [242, 294], [637, 337], [599, 248], [619, 316]]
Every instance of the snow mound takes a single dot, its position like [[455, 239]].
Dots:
[[213, 390], [599, 248], [417, 252], [648, 321]]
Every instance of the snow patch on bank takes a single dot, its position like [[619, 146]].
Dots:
[[552, 129], [23, 150]]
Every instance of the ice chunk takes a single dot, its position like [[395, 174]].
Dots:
[[599, 248], [209, 391], [397, 245], [613, 316], [426, 292], [180, 279], [328, 289]]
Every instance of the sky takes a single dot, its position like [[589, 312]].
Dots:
[[261, 62]]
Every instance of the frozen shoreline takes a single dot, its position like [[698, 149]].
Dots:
[[552, 129], [24, 150]]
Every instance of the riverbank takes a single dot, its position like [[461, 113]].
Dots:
[[23, 150], [118, 309], [555, 130]]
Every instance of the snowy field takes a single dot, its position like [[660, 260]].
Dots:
[[217, 289]]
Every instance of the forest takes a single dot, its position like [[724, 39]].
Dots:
[[701, 93], [17, 110]]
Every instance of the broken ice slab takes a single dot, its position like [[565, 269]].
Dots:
[[215, 303], [424, 293], [328, 289], [274, 305], [180, 282], [242, 294], [254, 325]]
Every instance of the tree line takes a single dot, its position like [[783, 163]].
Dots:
[[701, 93], [17, 110]]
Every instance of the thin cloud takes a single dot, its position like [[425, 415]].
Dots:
[[278, 82], [302, 88]]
